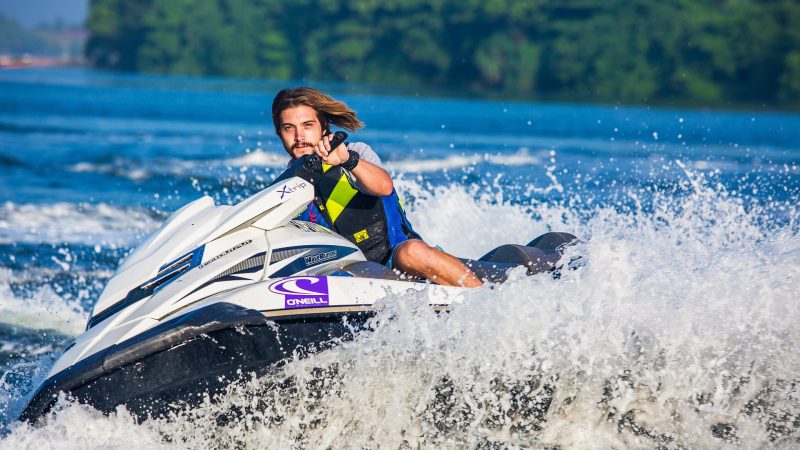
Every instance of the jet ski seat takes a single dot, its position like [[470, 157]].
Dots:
[[540, 255], [370, 269]]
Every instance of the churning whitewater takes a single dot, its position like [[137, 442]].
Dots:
[[679, 329], [674, 327]]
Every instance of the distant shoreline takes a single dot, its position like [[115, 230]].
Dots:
[[28, 61]]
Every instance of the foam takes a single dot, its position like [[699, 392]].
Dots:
[[470, 222], [80, 426], [43, 313], [41, 310], [139, 170], [259, 158], [671, 328], [519, 158], [69, 222]]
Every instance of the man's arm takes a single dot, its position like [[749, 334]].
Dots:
[[372, 179]]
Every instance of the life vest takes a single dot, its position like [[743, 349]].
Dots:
[[375, 224]]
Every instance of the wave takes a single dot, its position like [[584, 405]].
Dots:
[[258, 158], [8, 161], [521, 158], [43, 309], [80, 223], [137, 170], [35, 322], [469, 221], [35, 128], [679, 330], [181, 168]]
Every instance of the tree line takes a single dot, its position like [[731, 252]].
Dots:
[[702, 51], [44, 40]]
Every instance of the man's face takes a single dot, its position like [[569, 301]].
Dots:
[[300, 130]]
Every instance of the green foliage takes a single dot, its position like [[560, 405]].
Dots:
[[117, 30], [618, 50], [509, 62]]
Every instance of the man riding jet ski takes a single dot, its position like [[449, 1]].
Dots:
[[222, 291], [355, 196]]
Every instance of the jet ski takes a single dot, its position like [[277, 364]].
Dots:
[[219, 291]]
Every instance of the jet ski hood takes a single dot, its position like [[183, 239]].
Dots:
[[166, 253]]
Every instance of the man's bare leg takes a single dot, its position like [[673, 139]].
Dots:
[[417, 258]]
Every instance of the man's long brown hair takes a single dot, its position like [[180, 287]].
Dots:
[[329, 111]]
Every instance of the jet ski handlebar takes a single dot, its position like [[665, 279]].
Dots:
[[314, 162], [309, 167]]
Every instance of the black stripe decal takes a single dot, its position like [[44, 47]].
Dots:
[[249, 265]]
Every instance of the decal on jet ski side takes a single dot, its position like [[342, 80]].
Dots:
[[232, 249], [319, 258], [321, 255], [302, 292], [289, 190], [309, 227]]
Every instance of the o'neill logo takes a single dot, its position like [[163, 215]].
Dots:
[[302, 292]]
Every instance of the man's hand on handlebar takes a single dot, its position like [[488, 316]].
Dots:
[[333, 157]]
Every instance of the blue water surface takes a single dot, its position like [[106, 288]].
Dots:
[[76, 135]]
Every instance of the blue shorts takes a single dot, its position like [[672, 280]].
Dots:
[[391, 254]]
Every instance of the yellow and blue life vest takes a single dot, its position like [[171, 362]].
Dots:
[[375, 224]]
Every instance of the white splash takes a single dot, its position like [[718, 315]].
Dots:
[[432, 165], [79, 426], [259, 158], [41, 310], [141, 170], [68, 222], [521, 158], [470, 222], [678, 330]]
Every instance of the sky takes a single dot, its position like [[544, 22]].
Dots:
[[30, 13]]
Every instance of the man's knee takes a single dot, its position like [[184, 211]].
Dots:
[[411, 252]]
